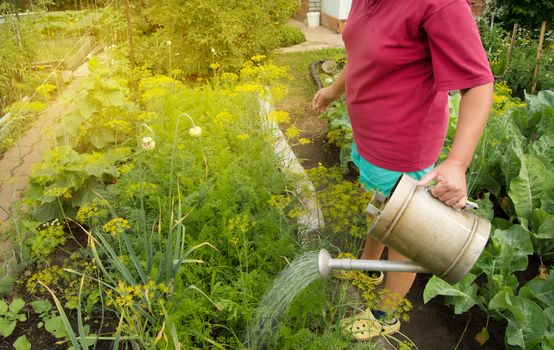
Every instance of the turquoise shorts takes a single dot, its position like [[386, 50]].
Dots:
[[374, 178]]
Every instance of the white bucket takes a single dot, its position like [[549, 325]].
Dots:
[[313, 19]]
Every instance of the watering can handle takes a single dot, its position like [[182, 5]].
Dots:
[[378, 198], [469, 204]]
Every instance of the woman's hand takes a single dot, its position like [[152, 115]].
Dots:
[[451, 187], [323, 98]]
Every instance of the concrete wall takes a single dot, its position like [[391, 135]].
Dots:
[[336, 8]]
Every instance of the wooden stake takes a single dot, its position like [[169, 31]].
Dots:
[[15, 24], [510, 50], [130, 34], [539, 51]]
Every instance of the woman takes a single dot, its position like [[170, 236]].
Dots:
[[403, 58]]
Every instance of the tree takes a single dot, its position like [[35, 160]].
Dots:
[[528, 13]]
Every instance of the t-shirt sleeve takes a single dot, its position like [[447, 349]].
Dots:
[[457, 54]]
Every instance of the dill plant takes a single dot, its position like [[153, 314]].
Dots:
[[343, 204], [205, 194]]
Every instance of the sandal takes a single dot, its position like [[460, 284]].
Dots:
[[348, 275], [365, 326]]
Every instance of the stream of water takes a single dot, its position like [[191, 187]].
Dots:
[[290, 282]]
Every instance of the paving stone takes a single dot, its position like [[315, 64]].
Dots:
[[316, 38]]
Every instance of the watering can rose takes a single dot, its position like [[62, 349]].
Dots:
[[195, 131]]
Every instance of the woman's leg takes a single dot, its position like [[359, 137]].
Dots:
[[397, 285], [373, 249]]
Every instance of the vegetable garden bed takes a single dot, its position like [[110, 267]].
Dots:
[[164, 214]]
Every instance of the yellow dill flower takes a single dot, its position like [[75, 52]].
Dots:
[[49, 276], [293, 132], [258, 58], [243, 137], [95, 211], [214, 66], [154, 92], [296, 212], [279, 201], [241, 223], [45, 89], [125, 168], [280, 116], [304, 141], [223, 116], [119, 125], [250, 87], [116, 226], [229, 77]]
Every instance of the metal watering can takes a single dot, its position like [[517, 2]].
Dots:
[[438, 239]]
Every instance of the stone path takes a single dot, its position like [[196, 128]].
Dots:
[[16, 165], [316, 38]]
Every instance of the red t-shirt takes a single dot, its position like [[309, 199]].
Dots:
[[403, 58]]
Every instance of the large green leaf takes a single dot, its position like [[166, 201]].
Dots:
[[542, 234], [506, 253], [545, 126], [549, 312], [55, 326], [541, 110], [101, 137], [542, 224], [527, 323], [16, 305], [69, 126], [7, 326], [48, 211], [539, 290], [462, 295], [499, 282], [526, 121], [485, 206], [548, 341], [87, 193], [109, 98], [543, 148], [22, 343], [3, 307], [528, 187], [537, 102], [510, 162], [547, 198]]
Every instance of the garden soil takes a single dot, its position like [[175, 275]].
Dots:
[[432, 326]]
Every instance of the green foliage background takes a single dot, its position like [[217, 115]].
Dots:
[[235, 29], [529, 13]]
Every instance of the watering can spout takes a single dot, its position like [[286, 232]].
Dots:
[[326, 264]]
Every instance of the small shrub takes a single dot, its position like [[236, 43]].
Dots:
[[289, 36]]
